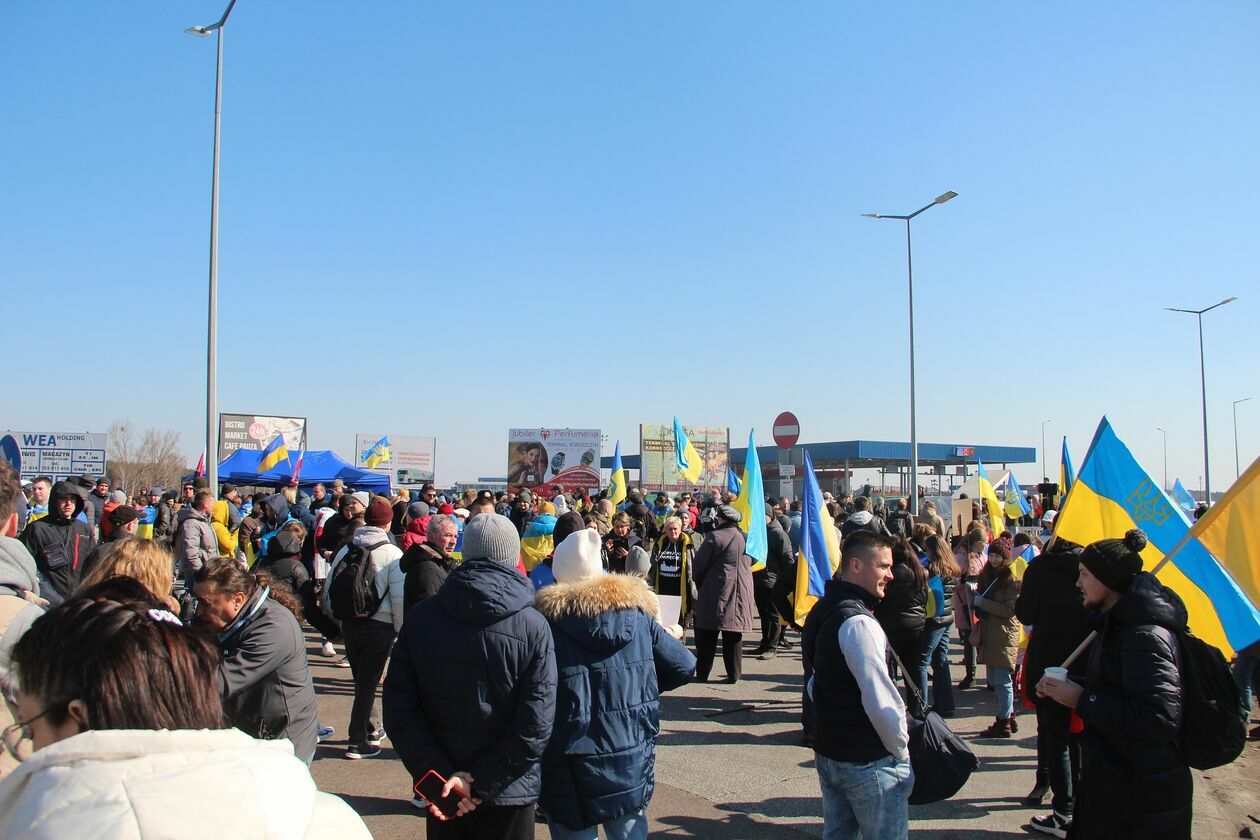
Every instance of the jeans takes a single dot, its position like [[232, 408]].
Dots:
[[934, 652], [1247, 675], [630, 827], [1053, 727], [871, 799], [1003, 683], [368, 643], [732, 653]]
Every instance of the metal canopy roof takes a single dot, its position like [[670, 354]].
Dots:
[[873, 454]]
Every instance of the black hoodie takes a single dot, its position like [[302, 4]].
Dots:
[[60, 545]]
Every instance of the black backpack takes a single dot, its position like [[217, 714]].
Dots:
[[1212, 729], [352, 586]]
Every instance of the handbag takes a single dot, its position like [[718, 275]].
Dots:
[[941, 761]]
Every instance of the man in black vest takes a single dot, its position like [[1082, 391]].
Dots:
[[859, 719]]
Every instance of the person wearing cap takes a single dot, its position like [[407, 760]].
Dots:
[[1134, 782], [415, 525], [612, 654], [725, 602], [164, 521], [483, 726], [60, 541], [368, 640], [123, 522], [522, 508]]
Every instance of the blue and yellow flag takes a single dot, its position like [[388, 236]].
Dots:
[[617, 481], [273, 454], [819, 554], [686, 459], [377, 454], [1231, 531], [1013, 501], [1182, 497], [997, 514], [1067, 476], [732, 482], [1112, 494], [752, 504]]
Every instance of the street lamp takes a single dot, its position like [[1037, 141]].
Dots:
[[1198, 313], [1165, 434], [1237, 473], [1045, 475], [914, 438], [212, 327]]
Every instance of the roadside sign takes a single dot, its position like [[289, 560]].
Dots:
[[787, 430]]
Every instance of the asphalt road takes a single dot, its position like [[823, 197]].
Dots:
[[730, 765]]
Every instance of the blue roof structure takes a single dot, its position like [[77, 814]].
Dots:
[[865, 454]]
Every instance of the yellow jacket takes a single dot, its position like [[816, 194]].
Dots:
[[219, 521]]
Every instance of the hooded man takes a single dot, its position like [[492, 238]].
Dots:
[[482, 727], [60, 541], [275, 513]]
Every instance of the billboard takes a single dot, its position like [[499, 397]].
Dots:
[[549, 457], [657, 465], [255, 431], [410, 461], [57, 455]]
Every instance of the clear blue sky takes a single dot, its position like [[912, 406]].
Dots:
[[449, 219]]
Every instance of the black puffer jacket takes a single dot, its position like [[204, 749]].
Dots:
[[60, 545], [424, 570], [903, 609], [1134, 783], [1050, 602]]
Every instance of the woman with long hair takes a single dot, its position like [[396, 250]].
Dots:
[[943, 574], [902, 612]]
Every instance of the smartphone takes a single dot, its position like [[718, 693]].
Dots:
[[430, 787]]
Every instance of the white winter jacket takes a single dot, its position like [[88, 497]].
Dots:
[[123, 784], [389, 577]]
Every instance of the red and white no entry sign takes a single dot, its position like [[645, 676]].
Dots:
[[787, 430]]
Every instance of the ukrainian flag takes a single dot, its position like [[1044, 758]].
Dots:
[[1112, 494], [378, 454], [617, 481], [819, 554], [686, 459], [273, 454], [997, 516], [1231, 531], [538, 542], [1182, 497], [1067, 476], [1013, 499], [752, 504], [732, 481]]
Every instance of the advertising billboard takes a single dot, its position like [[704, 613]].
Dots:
[[657, 467], [408, 461], [57, 455], [255, 431], [546, 458]]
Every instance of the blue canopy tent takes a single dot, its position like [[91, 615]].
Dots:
[[318, 466]]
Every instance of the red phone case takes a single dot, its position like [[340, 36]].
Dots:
[[430, 787]]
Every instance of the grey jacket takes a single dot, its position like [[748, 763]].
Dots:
[[195, 542], [265, 679]]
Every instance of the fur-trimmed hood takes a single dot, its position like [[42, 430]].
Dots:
[[598, 612]]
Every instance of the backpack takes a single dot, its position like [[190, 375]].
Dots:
[[1212, 731], [352, 586]]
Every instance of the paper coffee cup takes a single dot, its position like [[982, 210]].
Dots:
[[1057, 674]]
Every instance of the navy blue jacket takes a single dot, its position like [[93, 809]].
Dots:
[[472, 684], [614, 659]]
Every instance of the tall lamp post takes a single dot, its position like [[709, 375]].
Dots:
[[1045, 475], [1237, 471], [212, 327], [1198, 313], [1165, 434], [914, 438]]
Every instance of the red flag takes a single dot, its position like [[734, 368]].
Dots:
[[298, 469], [201, 464]]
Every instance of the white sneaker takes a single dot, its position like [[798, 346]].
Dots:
[[1054, 824], [344, 662], [328, 650]]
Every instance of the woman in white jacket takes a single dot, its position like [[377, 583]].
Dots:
[[120, 703]]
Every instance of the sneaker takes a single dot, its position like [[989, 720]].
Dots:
[[767, 655], [344, 662], [323, 732], [420, 802], [1054, 824], [328, 650], [965, 682], [374, 739], [1037, 795], [364, 751]]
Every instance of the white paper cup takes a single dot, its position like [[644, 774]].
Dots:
[[1056, 674]]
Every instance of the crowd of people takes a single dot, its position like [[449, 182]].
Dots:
[[523, 651]]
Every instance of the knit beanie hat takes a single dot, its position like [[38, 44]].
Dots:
[[1000, 549], [639, 562], [1115, 562], [565, 525], [118, 497], [379, 513], [491, 537], [577, 558], [446, 509], [362, 498], [729, 513], [417, 510]]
